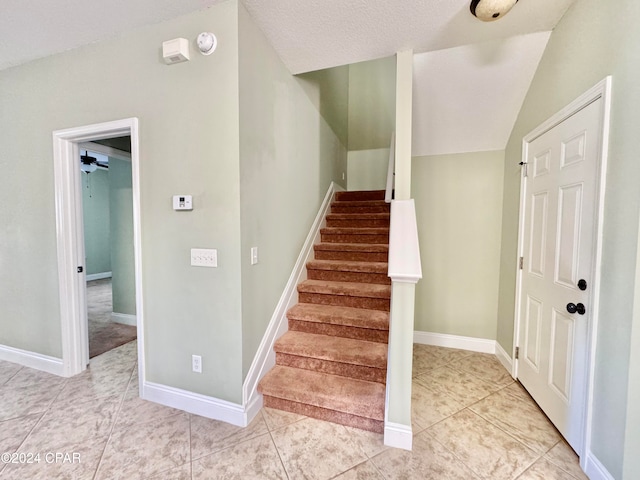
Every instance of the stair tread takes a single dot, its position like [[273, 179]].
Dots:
[[332, 392], [353, 247], [349, 266], [355, 230], [354, 289], [348, 316], [335, 349], [361, 203], [358, 194], [358, 216]]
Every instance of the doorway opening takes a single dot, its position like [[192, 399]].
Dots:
[[68, 145], [107, 205]]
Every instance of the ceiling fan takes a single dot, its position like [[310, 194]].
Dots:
[[89, 164]]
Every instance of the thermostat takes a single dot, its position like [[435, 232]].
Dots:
[[182, 202]]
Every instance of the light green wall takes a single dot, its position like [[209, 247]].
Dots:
[[288, 157], [372, 103], [121, 222], [367, 169], [188, 117], [631, 468], [458, 208], [95, 210], [592, 40], [328, 89]]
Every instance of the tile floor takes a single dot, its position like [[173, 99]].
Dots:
[[470, 421]]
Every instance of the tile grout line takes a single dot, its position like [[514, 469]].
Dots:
[[286, 472], [115, 419]]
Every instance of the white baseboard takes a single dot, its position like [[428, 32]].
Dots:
[[594, 469], [398, 436], [124, 318], [32, 360], [209, 407], [98, 276], [472, 344], [505, 359], [265, 357]]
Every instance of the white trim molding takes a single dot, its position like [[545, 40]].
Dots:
[[594, 468], [265, 357], [203, 405], [505, 359], [397, 435], [98, 276], [70, 243], [38, 361], [472, 344], [124, 319]]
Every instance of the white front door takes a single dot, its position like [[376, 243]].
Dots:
[[559, 244]]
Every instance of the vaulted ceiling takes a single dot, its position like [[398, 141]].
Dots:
[[489, 64]]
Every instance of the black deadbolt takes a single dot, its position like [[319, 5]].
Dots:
[[582, 284], [80, 269]]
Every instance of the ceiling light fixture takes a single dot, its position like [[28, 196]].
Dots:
[[490, 10], [88, 164]]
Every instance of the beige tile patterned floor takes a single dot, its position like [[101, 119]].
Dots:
[[470, 421]]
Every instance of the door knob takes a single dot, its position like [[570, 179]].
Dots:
[[573, 308]]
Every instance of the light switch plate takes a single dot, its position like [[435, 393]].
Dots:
[[204, 257], [254, 255]]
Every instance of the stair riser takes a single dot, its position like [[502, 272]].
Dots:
[[340, 276], [337, 208], [345, 331], [349, 256], [351, 238], [382, 304], [359, 372], [360, 196], [341, 418], [358, 223]]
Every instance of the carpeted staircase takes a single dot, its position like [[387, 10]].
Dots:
[[332, 363]]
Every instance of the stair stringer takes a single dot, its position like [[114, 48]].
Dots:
[[265, 358]]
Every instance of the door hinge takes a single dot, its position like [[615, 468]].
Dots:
[[517, 353], [80, 269], [524, 168], [521, 263]]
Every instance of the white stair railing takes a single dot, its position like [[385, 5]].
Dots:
[[405, 270]]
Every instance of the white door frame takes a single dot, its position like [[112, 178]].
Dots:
[[70, 238], [600, 91]]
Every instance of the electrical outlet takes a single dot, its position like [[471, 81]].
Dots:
[[196, 363], [204, 257]]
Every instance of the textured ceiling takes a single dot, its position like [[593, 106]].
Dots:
[[485, 78], [308, 34], [315, 34]]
